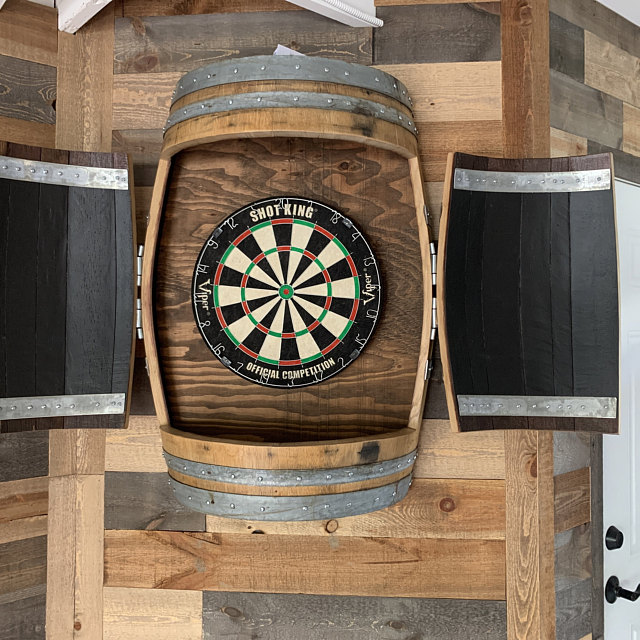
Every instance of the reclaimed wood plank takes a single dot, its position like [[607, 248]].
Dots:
[[455, 33], [600, 20], [573, 561], [445, 454], [76, 452], [35, 134], [450, 509], [573, 607], [30, 527], [28, 32], [182, 43], [23, 567], [567, 144], [572, 492], [142, 145], [426, 568], [626, 165], [23, 619], [289, 617], [23, 498], [75, 557], [435, 407], [138, 448], [149, 614], [143, 500], [631, 129], [566, 47], [611, 69], [571, 451], [443, 92], [29, 90], [24, 455], [141, 396], [581, 110], [134, 8], [85, 76]]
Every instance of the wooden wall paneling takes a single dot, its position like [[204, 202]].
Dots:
[[23, 499], [151, 614], [567, 144], [134, 8], [611, 69], [566, 47], [29, 90], [76, 452], [573, 608], [22, 528], [453, 33], [28, 32], [445, 509], [23, 619], [435, 407], [300, 564], [630, 129], [443, 92], [23, 569], [584, 111], [85, 72], [571, 451], [141, 397], [28, 133], [142, 145], [24, 455], [182, 43], [626, 165], [572, 492], [137, 448], [283, 616], [143, 500], [600, 20]]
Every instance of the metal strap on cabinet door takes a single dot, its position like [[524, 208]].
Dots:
[[289, 477], [292, 68], [91, 404], [66, 175], [290, 508], [290, 100], [538, 406]]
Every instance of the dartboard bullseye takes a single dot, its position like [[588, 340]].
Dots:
[[286, 292]]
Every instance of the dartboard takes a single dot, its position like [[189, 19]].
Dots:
[[286, 292]]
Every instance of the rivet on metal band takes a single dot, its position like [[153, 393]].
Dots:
[[91, 404], [290, 508], [537, 182], [292, 68], [538, 406], [290, 100], [66, 175], [289, 477]]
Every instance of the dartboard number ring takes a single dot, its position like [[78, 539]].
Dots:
[[286, 292]]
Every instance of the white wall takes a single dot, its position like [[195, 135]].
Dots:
[[630, 9]]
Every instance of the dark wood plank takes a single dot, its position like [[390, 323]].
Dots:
[[144, 175], [23, 619], [573, 562], [28, 90], [566, 47], [141, 397], [24, 455], [573, 612], [435, 407], [293, 617], [23, 568], [436, 33], [601, 20], [183, 43], [627, 166], [145, 501], [583, 111]]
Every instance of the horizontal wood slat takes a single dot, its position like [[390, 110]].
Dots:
[[35, 134], [29, 527], [23, 568], [471, 569], [24, 455], [132, 8], [567, 144], [29, 32], [23, 499], [572, 499], [137, 448]]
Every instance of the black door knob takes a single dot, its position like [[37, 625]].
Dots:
[[613, 538], [613, 591]]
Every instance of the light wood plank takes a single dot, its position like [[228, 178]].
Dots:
[[147, 614], [29, 32], [76, 452], [23, 498], [30, 527], [37, 134], [452, 91], [138, 448], [565, 144], [472, 569], [445, 454], [465, 509], [572, 499], [85, 76], [143, 145], [142, 100], [611, 70], [75, 557], [631, 129], [180, 7]]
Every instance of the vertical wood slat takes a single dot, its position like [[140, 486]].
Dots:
[[530, 519]]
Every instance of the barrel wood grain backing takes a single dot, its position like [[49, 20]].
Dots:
[[29, 90], [67, 287], [374, 394], [530, 326], [285, 616], [357, 566], [167, 44]]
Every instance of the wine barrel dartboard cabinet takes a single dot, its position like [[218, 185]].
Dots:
[[287, 289]]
